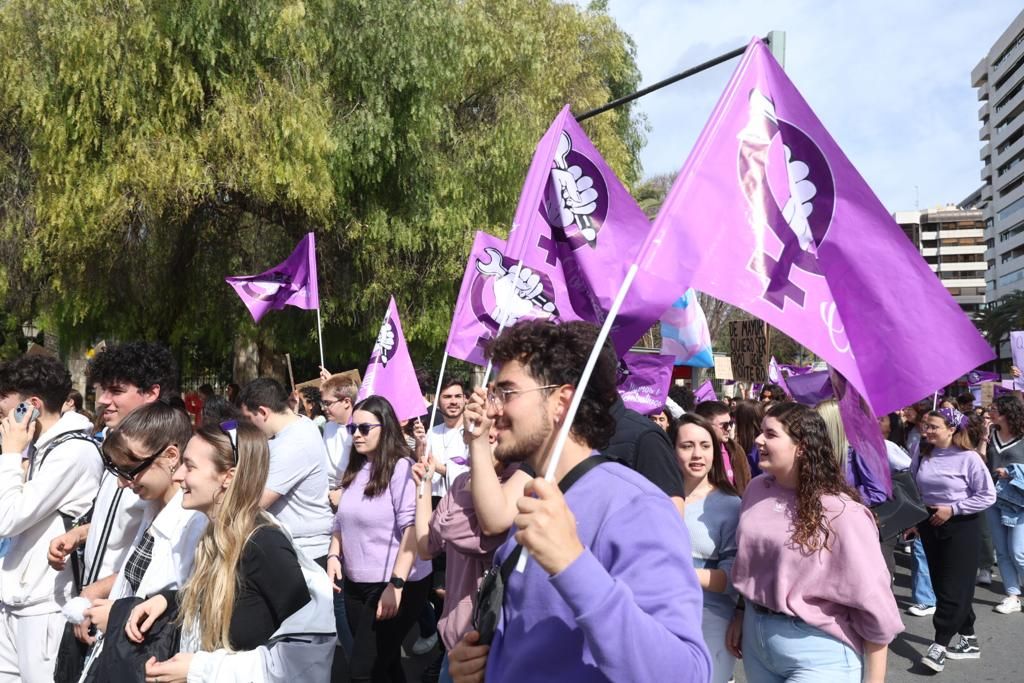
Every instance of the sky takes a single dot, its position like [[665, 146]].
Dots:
[[889, 80]]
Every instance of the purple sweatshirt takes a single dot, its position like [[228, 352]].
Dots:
[[950, 476], [627, 609], [371, 528]]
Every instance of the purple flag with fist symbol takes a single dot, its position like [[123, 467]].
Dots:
[[769, 215], [291, 283], [390, 373]]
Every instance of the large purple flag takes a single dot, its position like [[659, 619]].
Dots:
[[390, 373], [862, 430], [644, 384], [769, 215], [577, 223], [291, 283]]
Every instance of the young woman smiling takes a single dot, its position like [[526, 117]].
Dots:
[[1006, 449], [808, 564], [956, 487], [373, 546], [711, 514]]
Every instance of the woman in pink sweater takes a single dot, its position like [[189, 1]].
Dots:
[[808, 564]]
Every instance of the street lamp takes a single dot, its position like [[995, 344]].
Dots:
[[29, 330]]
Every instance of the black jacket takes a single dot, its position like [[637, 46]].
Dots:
[[645, 447], [122, 660]]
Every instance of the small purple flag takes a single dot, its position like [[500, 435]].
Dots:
[[982, 376], [801, 242], [390, 373], [644, 384], [291, 283], [862, 430], [790, 370], [1017, 349], [705, 392], [811, 388], [776, 375]]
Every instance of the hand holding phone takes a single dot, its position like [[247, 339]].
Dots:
[[25, 409]]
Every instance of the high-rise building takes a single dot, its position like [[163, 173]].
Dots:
[[952, 241], [999, 78]]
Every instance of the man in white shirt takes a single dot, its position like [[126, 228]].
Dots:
[[59, 487], [338, 394], [445, 441], [296, 492]]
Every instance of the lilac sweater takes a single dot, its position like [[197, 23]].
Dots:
[[371, 528], [627, 609], [950, 476], [843, 591]]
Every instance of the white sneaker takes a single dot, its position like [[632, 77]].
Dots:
[[984, 577], [1009, 605], [424, 645], [921, 610]]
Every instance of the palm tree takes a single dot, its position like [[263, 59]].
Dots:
[[1001, 317]]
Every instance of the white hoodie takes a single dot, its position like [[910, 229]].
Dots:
[[302, 649], [66, 480]]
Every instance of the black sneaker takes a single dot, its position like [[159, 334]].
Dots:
[[964, 647], [935, 659]]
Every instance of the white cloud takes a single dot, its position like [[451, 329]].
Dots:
[[890, 80]]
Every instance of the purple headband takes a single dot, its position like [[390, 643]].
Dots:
[[954, 418]]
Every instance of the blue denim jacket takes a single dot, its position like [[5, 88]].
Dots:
[[1010, 496]]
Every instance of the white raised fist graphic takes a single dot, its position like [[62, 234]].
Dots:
[[514, 294], [385, 342], [576, 196], [799, 207]]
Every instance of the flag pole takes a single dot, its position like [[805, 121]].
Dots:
[[433, 414], [320, 333]]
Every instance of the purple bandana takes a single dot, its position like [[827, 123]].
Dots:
[[954, 418]]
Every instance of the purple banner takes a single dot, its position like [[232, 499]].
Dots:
[[291, 283], [776, 375], [1017, 349], [801, 242], [862, 431], [644, 384], [390, 373], [705, 392], [982, 376], [811, 388]]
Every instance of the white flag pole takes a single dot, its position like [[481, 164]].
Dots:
[[320, 334], [433, 414]]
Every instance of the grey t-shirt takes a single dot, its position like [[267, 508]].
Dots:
[[712, 523], [298, 473]]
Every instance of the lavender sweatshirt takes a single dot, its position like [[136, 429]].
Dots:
[[371, 528], [960, 479], [627, 609], [843, 591]]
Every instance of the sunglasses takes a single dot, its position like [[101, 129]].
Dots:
[[363, 428], [131, 474], [230, 430]]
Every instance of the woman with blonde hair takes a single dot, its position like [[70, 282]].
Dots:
[[250, 589]]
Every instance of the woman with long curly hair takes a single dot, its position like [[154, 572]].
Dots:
[[373, 547], [1005, 455], [250, 588], [808, 564]]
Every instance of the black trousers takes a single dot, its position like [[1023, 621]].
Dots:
[[952, 551], [377, 648]]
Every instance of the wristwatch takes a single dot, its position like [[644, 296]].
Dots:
[[397, 582]]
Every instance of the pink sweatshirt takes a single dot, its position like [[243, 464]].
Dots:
[[844, 592]]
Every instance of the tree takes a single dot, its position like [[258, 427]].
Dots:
[[148, 149], [1001, 317]]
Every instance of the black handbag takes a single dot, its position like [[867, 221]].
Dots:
[[903, 510], [490, 596]]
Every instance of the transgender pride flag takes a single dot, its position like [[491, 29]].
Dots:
[[685, 334]]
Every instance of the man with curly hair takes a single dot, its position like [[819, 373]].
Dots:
[[609, 557], [61, 481]]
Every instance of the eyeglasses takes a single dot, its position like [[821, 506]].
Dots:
[[498, 396], [363, 428], [230, 430], [726, 425], [131, 474], [327, 403], [931, 428]]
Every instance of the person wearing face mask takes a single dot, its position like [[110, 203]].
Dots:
[[255, 607], [712, 514], [373, 544], [808, 564], [956, 487]]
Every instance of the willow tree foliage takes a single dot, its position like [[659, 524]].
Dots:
[[148, 149]]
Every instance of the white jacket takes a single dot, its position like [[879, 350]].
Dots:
[[66, 480], [302, 649]]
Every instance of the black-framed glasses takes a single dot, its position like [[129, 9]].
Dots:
[[363, 428], [230, 430], [131, 474]]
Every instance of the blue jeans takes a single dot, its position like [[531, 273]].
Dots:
[[445, 676], [782, 649], [1009, 544], [341, 622], [920, 579]]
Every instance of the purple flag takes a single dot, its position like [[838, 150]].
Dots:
[[982, 376], [578, 224], [644, 384], [776, 375], [390, 373], [862, 431], [292, 283], [1017, 349], [705, 392], [811, 388], [790, 370], [801, 242]]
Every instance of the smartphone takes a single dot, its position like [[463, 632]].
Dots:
[[25, 409]]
